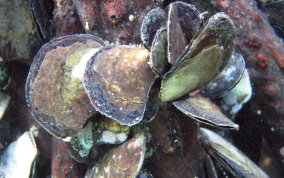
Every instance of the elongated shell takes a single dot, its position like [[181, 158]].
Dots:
[[182, 24], [54, 88], [153, 21], [4, 103], [205, 111], [205, 57], [19, 156], [232, 158], [117, 81], [158, 58], [227, 79]]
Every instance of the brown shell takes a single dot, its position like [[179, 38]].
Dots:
[[58, 106], [182, 24], [204, 58], [117, 81], [158, 58], [153, 21], [205, 111], [121, 162]]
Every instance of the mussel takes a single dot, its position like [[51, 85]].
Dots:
[[184, 61]]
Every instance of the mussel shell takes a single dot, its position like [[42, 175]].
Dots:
[[158, 58], [228, 155], [154, 101], [182, 24], [4, 103], [117, 81], [227, 79], [205, 57], [123, 161], [19, 157], [218, 30], [233, 101], [48, 91], [191, 76], [153, 21], [41, 11], [210, 167], [205, 111]]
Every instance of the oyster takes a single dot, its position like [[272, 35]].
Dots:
[[117, 81], [54, 88]]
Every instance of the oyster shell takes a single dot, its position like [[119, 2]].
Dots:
[[117, 81], [54, 88]]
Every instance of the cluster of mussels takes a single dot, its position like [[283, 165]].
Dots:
[[184, 61]]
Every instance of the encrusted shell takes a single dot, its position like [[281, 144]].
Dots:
[[117, 81], [123, 161], [54, 89]]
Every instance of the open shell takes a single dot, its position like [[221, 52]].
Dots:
[[205, 57], [182, 24]]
